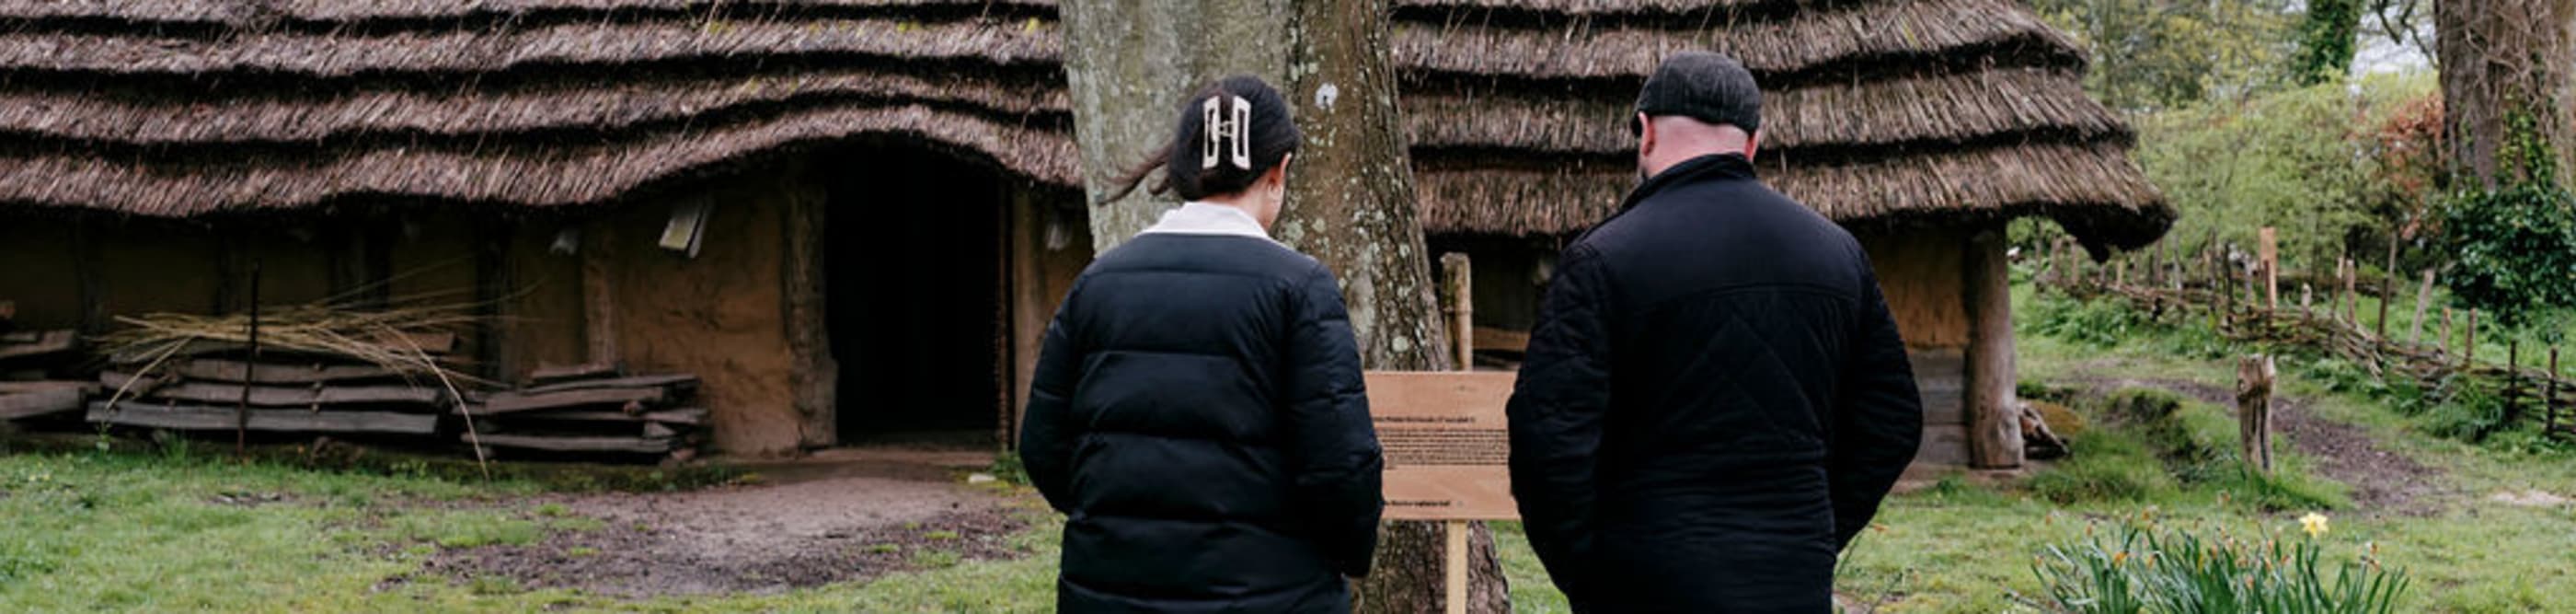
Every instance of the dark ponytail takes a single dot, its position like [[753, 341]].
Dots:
[[1270, 135]]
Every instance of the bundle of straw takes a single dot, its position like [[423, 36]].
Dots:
[[380, 337]]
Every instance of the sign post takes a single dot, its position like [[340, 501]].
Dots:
[[1447, 454]]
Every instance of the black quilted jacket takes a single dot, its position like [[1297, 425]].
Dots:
[[1715, 401], [1198, 414]]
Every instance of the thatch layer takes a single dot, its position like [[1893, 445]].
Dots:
[[1987, 183], [248, 13], [586, 107], [530, 176], [1952, 108], [588, 44], [1892, 32], [1518, 108]]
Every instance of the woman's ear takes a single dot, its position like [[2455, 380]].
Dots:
[[1279, 174]]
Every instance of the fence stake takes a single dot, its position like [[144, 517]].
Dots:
[[2469, 347], [2447, 339], [2254, 410], [2387, 287], [2549, 400], [2423, 296], [2270, 257], [2512, 381], [2351, 298]]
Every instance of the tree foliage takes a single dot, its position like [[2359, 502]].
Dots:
[[2157, 54], [2513, 248], [2316, 162], [2327, 41]]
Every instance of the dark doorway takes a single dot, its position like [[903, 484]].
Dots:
[[915, 280]]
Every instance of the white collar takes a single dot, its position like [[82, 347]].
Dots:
[[1198, 218]]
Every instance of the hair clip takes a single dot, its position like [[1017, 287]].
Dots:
[[1221, 127]]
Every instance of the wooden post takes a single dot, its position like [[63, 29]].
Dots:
[[2423, 297], [2469, 341], [2254, 411], [2549, 399], [598, 306], [2447, 347], [1994, 428], [1459, 284], [2387, 287], [2351, 294], [1460, 288], [241, 410], [2270, 259], [2512, 380]]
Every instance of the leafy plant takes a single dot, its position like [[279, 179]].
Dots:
[[2148, 568]]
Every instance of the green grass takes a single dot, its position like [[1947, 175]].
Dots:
[[143, 531]]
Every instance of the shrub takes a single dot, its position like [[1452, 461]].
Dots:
[[2146, 568]]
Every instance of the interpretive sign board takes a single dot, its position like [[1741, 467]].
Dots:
[[1446, 444]]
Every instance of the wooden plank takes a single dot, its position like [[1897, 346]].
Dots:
[[684, 380], [204, 418], [38, 343], [655, 430], [1490, 339], [685, 417], [45, 386], [636, 445], [215, 369], [548, 374], [278, 396], [1445, 443], [511, 402], [31, 403]]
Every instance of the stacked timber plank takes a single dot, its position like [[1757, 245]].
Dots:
[[221, 387], [593, 410], [32, 367]]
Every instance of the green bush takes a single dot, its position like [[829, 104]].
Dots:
[[2146, 568]]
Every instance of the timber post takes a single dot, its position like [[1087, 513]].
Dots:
[[2254, 411], [2423, 296], [1994, 428]]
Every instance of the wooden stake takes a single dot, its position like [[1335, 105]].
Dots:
[[2423, 297], [2469, 345], [2447, 347], [2351, 294], [2270, 260], [1454, 597], [1462, 310], [2254, 411], [2387, 287], [241, 410], [1994, 427], [2549, 400], [2512, 380]]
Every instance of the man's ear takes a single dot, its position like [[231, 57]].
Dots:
[[1645, 135], [1752, 144]]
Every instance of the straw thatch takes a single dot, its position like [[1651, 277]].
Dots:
[[1917, 109]]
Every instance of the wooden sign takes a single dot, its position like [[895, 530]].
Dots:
[[1446, 444]]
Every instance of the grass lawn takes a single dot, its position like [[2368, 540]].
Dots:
[[160, 532]]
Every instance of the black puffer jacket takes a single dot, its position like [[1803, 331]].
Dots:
[[1714, 402], [1198, 414]]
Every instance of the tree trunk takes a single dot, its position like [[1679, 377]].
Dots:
[[2500, 59], [1130, 63], [2327, 40]]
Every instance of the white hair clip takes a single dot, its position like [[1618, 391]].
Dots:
[[1225, 132]]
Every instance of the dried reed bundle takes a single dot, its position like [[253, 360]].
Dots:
[[386, 338]]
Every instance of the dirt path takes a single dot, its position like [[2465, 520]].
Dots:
[[752, 538], [2382, 481]]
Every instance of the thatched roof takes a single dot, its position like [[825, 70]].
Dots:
[[1874, 110], [1878, 108]]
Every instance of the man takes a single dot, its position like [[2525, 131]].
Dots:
[[1715, 399]]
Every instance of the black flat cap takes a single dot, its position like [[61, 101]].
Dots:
[[1705, 86]]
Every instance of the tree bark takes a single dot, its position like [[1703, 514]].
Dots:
[[2500, 58], [1130, 63]]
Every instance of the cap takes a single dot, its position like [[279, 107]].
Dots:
[[1706, 86]]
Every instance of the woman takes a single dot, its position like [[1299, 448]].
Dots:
[[1197, 411]]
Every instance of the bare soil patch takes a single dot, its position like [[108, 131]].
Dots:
[[751, 538], [2381, 480]]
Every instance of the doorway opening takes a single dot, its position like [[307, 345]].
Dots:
[[916, 287]]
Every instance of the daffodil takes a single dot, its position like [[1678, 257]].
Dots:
[[2313, 523]]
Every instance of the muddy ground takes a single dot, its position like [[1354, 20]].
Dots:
[[811, 529], [2382, 481]]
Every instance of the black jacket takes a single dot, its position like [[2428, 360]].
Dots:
[[1198, 414], [1715, 401]]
